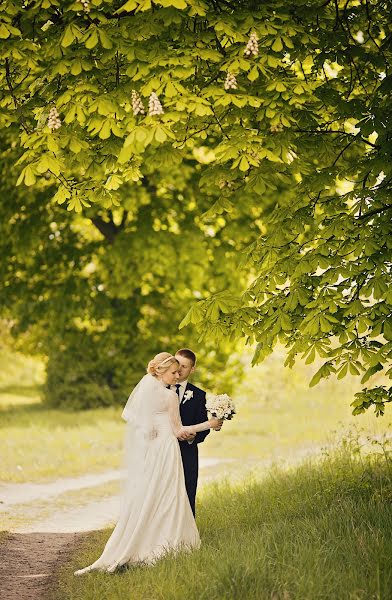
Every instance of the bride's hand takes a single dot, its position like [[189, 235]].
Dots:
[[216, 423]]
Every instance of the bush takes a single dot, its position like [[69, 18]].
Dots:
[[87, 371]]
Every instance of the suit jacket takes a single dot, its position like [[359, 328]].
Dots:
[[194, 411]]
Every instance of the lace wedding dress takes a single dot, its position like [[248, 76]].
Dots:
[[155, 515]]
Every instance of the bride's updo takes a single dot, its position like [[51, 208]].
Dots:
[[160, 363]]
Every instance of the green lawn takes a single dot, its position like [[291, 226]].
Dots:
[[314, 532], [279, 419], [39, 444]]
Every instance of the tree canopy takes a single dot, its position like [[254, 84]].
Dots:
[[280, 115], [100, 293]]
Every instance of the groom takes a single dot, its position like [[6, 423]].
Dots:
[[192, 410]]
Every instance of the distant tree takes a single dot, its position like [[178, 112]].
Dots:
[[100, 293]]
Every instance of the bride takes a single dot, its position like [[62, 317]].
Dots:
[[155, 515]]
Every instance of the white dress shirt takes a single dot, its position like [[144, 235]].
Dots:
[[181, 392], [181, 389]]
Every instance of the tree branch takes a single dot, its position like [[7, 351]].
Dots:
[[376, 211], [108, 229]]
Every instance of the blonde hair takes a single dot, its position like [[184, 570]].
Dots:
[[160, 363]]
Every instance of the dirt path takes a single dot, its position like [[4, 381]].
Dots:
[[86, 517], [48, 507], [16, 493], [29, 562]]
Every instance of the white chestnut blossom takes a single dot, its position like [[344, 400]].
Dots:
[[230, 82], [86, 5], [154, 105], [54, 121], [252, 47], [137, 104]]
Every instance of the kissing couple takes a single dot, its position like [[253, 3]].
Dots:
[[166, 418]]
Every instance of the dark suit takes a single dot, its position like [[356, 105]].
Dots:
[[192, 411]]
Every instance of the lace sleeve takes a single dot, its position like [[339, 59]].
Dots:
[[175, 419], [174, 414]]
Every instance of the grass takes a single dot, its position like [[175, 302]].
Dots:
[[3, 536], [21, 378], [40, 444], [279, 419], [319, 531]]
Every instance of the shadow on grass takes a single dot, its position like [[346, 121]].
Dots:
[[40, 415], [13, 411], [28, 391]]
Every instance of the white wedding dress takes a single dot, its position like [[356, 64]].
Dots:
[[155, 515]]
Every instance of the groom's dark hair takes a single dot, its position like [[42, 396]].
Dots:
[[186, 353]]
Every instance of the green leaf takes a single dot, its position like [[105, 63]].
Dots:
[[92, 40], [244, 164], [272, 61], [194, 315], [280, 87], [48, 163], [257, 184], [62, 195], [75, 204], [353, 369], [325, 324], [170, 90], [4, 31], [316, 377], [175, 3], [311, 356], [371, 371], [106, 106], [288, 42], [68, 36], [53, 144], [343, 371], [213, 312], [105, 40], [285, 322], [113, 182], [105, 131], [312, 328], [253, 73], [75, 145], [128, 6], [144, 5], [160, 134], [27, 176], [303, 297], [277, 46], [387, 329], [125, 154]]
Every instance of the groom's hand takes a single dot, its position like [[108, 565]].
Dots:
[[187, 437]]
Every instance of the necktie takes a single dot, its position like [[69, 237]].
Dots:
[[178, 385]]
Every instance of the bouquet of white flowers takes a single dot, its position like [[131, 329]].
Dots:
[[220, 406]]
